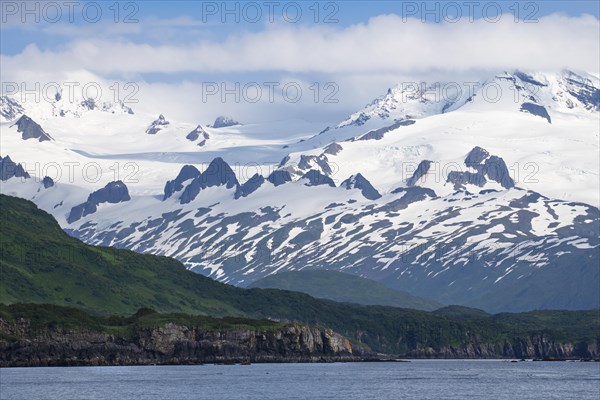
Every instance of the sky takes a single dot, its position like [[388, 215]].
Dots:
[[271, 60]]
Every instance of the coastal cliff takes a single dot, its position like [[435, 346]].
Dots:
[[537, 346], [23, 343], [169, 344]]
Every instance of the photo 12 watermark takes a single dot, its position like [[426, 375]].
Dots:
[[471, 11], [70, 12], [72, 92]]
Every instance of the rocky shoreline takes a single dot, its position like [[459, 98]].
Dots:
[[23, 346], [173, 344]]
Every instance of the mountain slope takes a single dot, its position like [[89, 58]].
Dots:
[[40, 263], [342, 287], [488, 203]]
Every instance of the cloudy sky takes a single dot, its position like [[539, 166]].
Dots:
[[267, 60]]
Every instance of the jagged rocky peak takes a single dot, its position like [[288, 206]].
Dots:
[[250, 186], [31, 129], [187, 172], [378, 134], [47, 182], [422, 170], [113, 192], [408, 100], [316, 178], [409, 195], [223, 122], [537, 110], [333, 149], [360, 182], [486, 167], [198, 132], [279, 177], [10, 108], [9, 169], [586, 90], [218, 173], [528, 79], [320, 162], [157, 125]]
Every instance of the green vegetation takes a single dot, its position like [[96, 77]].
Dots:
[[461, 312], [345, 288], [39, 263], [47, 316]]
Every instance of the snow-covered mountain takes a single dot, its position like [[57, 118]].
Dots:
[[461, 196]]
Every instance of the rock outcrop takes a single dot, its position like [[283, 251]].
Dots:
[[279, 177], [486, 166], [218, 173], [314, 177], [360, 182], [47, 182], [9, 169], [113, 192], [171, 344], [197, 133], [538, 346], [250, 186], [30, 129], [223, 122], [157, 125], [21, 346], [9, 108]]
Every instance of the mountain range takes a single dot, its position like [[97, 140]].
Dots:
[[456, 196]]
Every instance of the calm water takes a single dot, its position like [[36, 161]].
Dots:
[[414, 380]]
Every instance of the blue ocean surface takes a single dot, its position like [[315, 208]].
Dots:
[[432, 379]]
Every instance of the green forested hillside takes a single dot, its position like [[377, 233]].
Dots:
[[342, 287], [39, 263]]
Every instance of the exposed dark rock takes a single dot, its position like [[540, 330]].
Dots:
[[218, 173], [583, 90], [250, 186], [47, 182], [535, 346], [187, 172], [421, 171], [461, 178], [196, 133], [157, 125], [31, 129], [9, 108], [316, 178], [9, 169], [113, 192], [172, 344], [488, 168], [410, 195], [378, 134], [495, 169], [360, 182], [333, 149], [536, 109], [223, 122], [528, 79], [279, 177], [476, 157], [284, 161], [321, 161], [89, 104]]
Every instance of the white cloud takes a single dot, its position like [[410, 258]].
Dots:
[[364, 60], [384, 44]]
